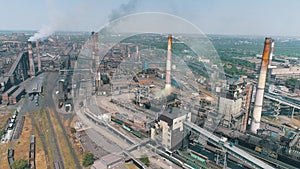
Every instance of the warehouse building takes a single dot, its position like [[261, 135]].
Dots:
[[285, 73], [8, 93], [17, 95]]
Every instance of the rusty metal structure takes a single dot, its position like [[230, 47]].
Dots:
[[256, 116], [169, 64]]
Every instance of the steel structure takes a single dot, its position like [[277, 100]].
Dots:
[[226, 146]]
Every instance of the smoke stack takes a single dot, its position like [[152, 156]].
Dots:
[[31, 62], [128, 52], [271, 55], [137, 53], [169, 63], [98, 79], [38, 56], [256, 116], [93, 50]]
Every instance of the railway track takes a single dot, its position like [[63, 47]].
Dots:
[[56, 153], [51, 81], [42, 137]]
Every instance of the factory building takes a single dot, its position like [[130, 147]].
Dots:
[[168, 131], [36, 87], [8, 93], [118, 85], [17, 73], [17, 95], [231, 108], [4, 84], [285, 73], [234, 104]]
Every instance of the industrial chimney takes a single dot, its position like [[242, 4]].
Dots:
[[137, 53], [38, 56], [256, 116], [128, 52], [31, 62], [98, 79], [93, 50], [168, 65]]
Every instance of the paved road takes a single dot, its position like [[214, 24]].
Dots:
[[50, 83], [107, 134]]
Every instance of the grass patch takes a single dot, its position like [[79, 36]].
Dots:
[[41, 123], [145, 160], [131, 166], [3, 155], [3, 120]]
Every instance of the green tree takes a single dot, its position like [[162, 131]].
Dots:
[[73, 130], [88, 160], [145, 160], [291, 81], [20, 164]]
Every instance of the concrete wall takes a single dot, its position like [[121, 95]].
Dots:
[[229, 107]]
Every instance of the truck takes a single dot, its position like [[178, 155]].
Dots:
[[223, 139], [68, 107]]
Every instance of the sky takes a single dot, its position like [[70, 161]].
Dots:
[[234, 17]]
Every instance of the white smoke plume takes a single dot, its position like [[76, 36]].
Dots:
[[61, 21], [43, 33], [123, 10]]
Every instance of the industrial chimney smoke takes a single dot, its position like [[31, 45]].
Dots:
[[169, 64], [256, 116]]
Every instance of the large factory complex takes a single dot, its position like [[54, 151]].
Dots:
[[139, 106], [155, 102]]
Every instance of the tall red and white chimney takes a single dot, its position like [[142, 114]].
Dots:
[[256, 116], [169, 64]]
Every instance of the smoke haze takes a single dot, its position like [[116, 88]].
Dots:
[[44, 32], [71, 20], [123, 10]]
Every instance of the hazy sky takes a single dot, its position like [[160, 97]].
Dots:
[[245, 17]]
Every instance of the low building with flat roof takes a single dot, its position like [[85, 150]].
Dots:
[[8, 93], [17, 95], [35, 87], [111, 161], [285, 73]]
